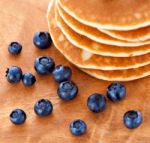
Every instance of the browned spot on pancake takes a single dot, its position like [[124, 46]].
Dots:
[[66, 44]]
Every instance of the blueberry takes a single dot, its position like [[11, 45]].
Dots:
[[43, 107], [18, 116], [96, 102], [42, 40], [132, 119], [14, 48], [28, 79], [61, 73], [44, 65], [67, 90], [14, 74], [116, 91], [78, 127]]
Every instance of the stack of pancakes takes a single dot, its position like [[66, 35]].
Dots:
[[108, 39]]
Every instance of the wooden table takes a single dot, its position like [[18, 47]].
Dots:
[[19, 20]]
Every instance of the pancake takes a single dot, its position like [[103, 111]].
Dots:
[[93, 33], [120, 75], [123, 75], [97, 48], [138, 35], [85, 59], [130, 14]]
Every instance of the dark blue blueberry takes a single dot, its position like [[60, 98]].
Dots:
[[132, 119], [67, 90], [78, 127], [42, 40], [61, 73], [18, 116], [28, 79], [14, 48], [96, 102], [43, 107], [116, 91], [14, 74], [44, 65]]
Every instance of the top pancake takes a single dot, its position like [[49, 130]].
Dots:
[[109, 14]]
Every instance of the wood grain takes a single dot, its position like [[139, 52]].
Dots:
[[19, 20]]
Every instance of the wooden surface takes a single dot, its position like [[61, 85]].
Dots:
[[19, 20]]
